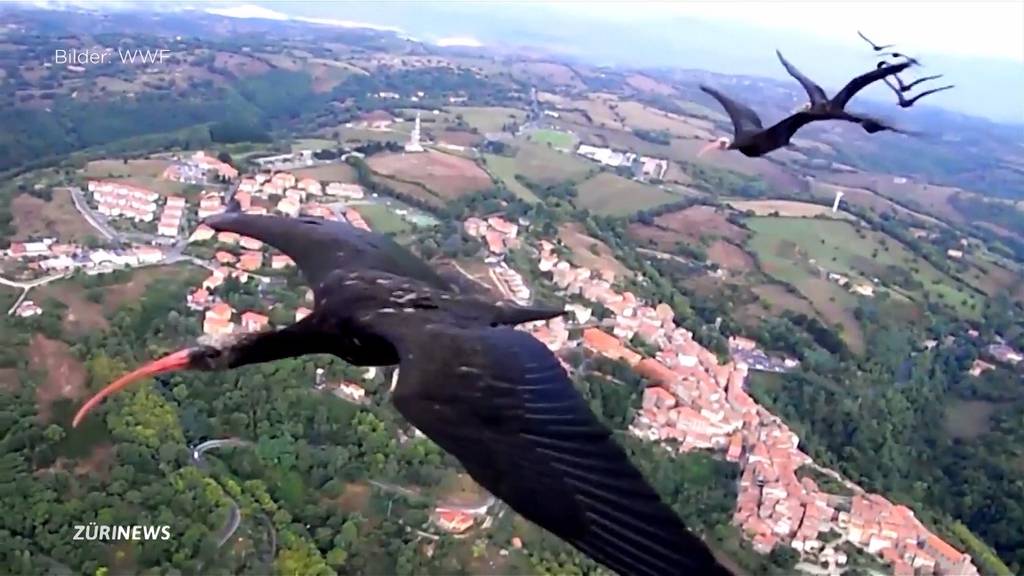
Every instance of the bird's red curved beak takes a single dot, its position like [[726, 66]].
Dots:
[[179, 360]]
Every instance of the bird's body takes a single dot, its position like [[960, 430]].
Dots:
[[492, 396]]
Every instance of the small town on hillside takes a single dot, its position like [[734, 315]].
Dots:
[[694, 402]]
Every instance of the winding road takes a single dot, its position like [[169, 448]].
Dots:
[[235, 514]]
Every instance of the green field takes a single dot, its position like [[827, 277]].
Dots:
[[614, 195], [554, 138], [312, 144], [542, 164], [383, 219], [786, 247], [504, 168], [488, 118], [337, 172]]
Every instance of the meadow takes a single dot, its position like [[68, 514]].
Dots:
[[801, 251], [613, 195], [554, 138]]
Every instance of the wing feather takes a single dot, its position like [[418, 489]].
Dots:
[[524, 433], [815, 92], [319, 247], [745, 121], [843, 97]]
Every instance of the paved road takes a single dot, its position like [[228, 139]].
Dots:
[[234, 515], [94, 220], [102, 225], [26, 286]]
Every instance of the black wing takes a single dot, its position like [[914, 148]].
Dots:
[[908, 87], [745, 122], [927, 92], [814, 92], [874, 46], [860, 82], [778, 135], [320, 246], [498, 400]]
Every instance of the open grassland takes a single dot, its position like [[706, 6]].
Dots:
[[311, 144], [538, 163], [789, 208], [614, 195], [553, 138], [801, 251], [637, 115], [648, 84], [88, 309], [34, 217], [868, 200], [545, 73], [383, 219], [120, 169], [542, 164], [338, 172], [504, 168], [702, 221], [445, 175], [488, 118], [411, 189], [927, 198], [601, 109], [65, 374], [590, 252]]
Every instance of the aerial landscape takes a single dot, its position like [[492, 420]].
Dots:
[[334, 288]]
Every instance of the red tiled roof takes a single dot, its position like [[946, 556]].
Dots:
[[600, 341]]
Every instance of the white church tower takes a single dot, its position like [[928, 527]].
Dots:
[[414, 138]]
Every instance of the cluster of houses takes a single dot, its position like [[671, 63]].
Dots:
[[218, 319], [48, 255], [122, 200], [698, 403], [499, 234], [198, 168], [292, 194]]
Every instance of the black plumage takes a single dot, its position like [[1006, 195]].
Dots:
[[752, 139], [874, 46], [494, 397], [905, 102]]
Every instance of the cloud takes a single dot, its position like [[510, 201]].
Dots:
[[248, 11]]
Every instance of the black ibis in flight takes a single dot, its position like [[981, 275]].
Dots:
[[874, 46], [905, 102], [908, 87], [882, 52], [751, 137], [494, 397]]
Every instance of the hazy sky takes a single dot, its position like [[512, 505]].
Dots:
[[971, 28]]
